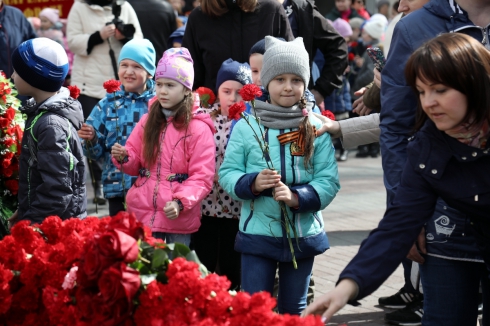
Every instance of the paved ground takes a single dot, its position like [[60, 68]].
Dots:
[[354, 212]]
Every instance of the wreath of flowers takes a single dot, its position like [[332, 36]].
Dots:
[[11, 131]]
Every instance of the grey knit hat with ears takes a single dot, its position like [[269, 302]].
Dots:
[[284, 58]]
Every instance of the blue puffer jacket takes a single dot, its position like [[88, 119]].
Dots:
[[14, 30], [398, 101], [437, 166], [115, 127], [261, 232]]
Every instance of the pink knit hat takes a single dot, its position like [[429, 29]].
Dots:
[[53, 15], [176, 64]]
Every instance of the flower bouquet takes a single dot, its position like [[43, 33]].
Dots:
[[11, 130], [110, 271]]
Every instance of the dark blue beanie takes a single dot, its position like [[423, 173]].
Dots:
[[259, 47], [42, 63], [234, 70]]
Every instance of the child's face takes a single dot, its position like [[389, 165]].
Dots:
[[176, 4], [357, 4], [228, 95], [133, 76], [342, 5], [286, 90], [45, 23], [444, 105], [256, 67], [355, 34], [21, 85], [366, 37], [169, 92], [177, 45], [196, 3]]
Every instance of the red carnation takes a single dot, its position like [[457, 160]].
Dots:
[[112, 86], [351, 56], [3, 74], [206, 96], [353, 44], [10, 114], [249, 92], [75, 91], [236, 110], [4, 123], [328, 114]]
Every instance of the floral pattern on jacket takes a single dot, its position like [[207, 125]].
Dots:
[[219, 203]]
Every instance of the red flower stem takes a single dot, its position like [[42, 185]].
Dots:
[[123, 181]]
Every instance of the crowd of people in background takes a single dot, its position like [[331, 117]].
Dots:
[[195, 175]]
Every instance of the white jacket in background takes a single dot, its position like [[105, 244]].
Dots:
[[90, 71]]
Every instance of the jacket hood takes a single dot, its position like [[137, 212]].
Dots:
[[61, 104], [206, 118], [148, 94]]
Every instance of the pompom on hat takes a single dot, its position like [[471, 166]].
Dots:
[[233, 70], [140, 51], [42, 63], [176, 64], [284, 58]]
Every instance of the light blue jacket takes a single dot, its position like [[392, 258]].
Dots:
[[261, 230]]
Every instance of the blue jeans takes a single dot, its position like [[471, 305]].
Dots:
[[258, 274], [173, 237], [451, 290]]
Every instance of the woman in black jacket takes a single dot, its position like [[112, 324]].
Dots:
[[222, 29], [449, 157]]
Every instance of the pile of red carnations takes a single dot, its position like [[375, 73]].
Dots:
[[110, 271], [11, 130]]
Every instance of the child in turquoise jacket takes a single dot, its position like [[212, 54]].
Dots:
[[306, 180]]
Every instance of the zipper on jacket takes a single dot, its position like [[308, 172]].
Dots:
[[317, 218], [249, 216], [485, 37]]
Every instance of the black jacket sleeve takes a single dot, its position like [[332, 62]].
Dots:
[[334, 50]]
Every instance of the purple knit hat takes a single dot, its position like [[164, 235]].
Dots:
[[176, 64]]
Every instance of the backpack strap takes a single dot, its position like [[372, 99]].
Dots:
[[32, 141]]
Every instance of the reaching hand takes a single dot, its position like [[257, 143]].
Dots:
[[358, 105], [87, 132], [417, 248], [330, 126], [266, 179], [328, 304], [171, 210], [282, 192], [118, 152]]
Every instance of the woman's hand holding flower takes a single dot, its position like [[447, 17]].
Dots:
[[87, 132]]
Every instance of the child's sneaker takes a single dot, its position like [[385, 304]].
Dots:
[[399, 300], [411, 315]]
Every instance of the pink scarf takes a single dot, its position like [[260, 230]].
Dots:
[[345, 15], [475, 136]]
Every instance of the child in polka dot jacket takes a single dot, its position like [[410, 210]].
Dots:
[[214, 242]]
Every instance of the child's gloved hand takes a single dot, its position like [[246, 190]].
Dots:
[[172, 210], [265, 179], [282, 192], [118, 151], [87, 132]]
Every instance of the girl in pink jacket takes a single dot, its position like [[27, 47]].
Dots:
[[171, 150]]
